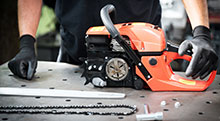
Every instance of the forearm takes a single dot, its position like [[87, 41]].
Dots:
[[197, 12], [28, 16]]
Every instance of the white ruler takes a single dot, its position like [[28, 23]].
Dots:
[[58, 93]]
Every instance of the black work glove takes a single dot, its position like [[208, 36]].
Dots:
[[204, 58], [25, 62]]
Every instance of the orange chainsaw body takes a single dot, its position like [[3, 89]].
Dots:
[[147, 38]]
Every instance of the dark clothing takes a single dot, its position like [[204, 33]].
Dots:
[[76, 16]]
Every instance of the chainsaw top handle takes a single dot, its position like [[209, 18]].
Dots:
[[107, 21]]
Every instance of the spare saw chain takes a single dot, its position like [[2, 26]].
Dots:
[[21, 109]]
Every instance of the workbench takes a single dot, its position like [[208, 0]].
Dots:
[[195, 106]]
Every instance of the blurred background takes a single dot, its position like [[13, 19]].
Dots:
[[174, 23]]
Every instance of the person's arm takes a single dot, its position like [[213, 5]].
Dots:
[[24, 64], [197, 12], [29, 12], [204, 58]]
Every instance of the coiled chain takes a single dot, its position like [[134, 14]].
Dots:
[[59, 109]]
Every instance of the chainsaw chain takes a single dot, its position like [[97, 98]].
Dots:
[[52, 109]]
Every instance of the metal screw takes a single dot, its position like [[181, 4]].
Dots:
[[135, 78], [90, 67], [100, 68], [139, 64], [86, 62]]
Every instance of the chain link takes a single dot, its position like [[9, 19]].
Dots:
[[52, 109]]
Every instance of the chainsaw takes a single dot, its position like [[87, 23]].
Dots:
[[134, 54]]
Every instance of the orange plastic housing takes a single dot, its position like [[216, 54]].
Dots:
[[163, 78], [146, 37]]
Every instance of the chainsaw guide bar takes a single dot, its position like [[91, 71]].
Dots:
[[59, 93]]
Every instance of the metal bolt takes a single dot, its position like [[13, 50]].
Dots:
[[102, 83], [90, 67], [100, 68], [86, 62], [135, 78], [139, 64], [163, 103], [177, 104]]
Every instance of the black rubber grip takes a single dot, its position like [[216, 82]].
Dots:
[[105, 16]]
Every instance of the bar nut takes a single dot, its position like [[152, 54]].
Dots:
[[163, 103], [177, 104]]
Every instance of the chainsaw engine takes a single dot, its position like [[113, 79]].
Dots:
[[107, 64]]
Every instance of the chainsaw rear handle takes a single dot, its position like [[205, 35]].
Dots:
[[164, 79], [106, 19], [171, 56]]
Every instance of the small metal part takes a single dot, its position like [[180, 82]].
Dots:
[[146, 111], [155, 27], [98, 82], [100, 68], [148, 115], [116, 47], [117, 69], [135, 78], [90, 67], [177, 104], [139, 64], [163, 103], [86, 62]]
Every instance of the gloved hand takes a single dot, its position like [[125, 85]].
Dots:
[[25, 62], [204, 58]]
